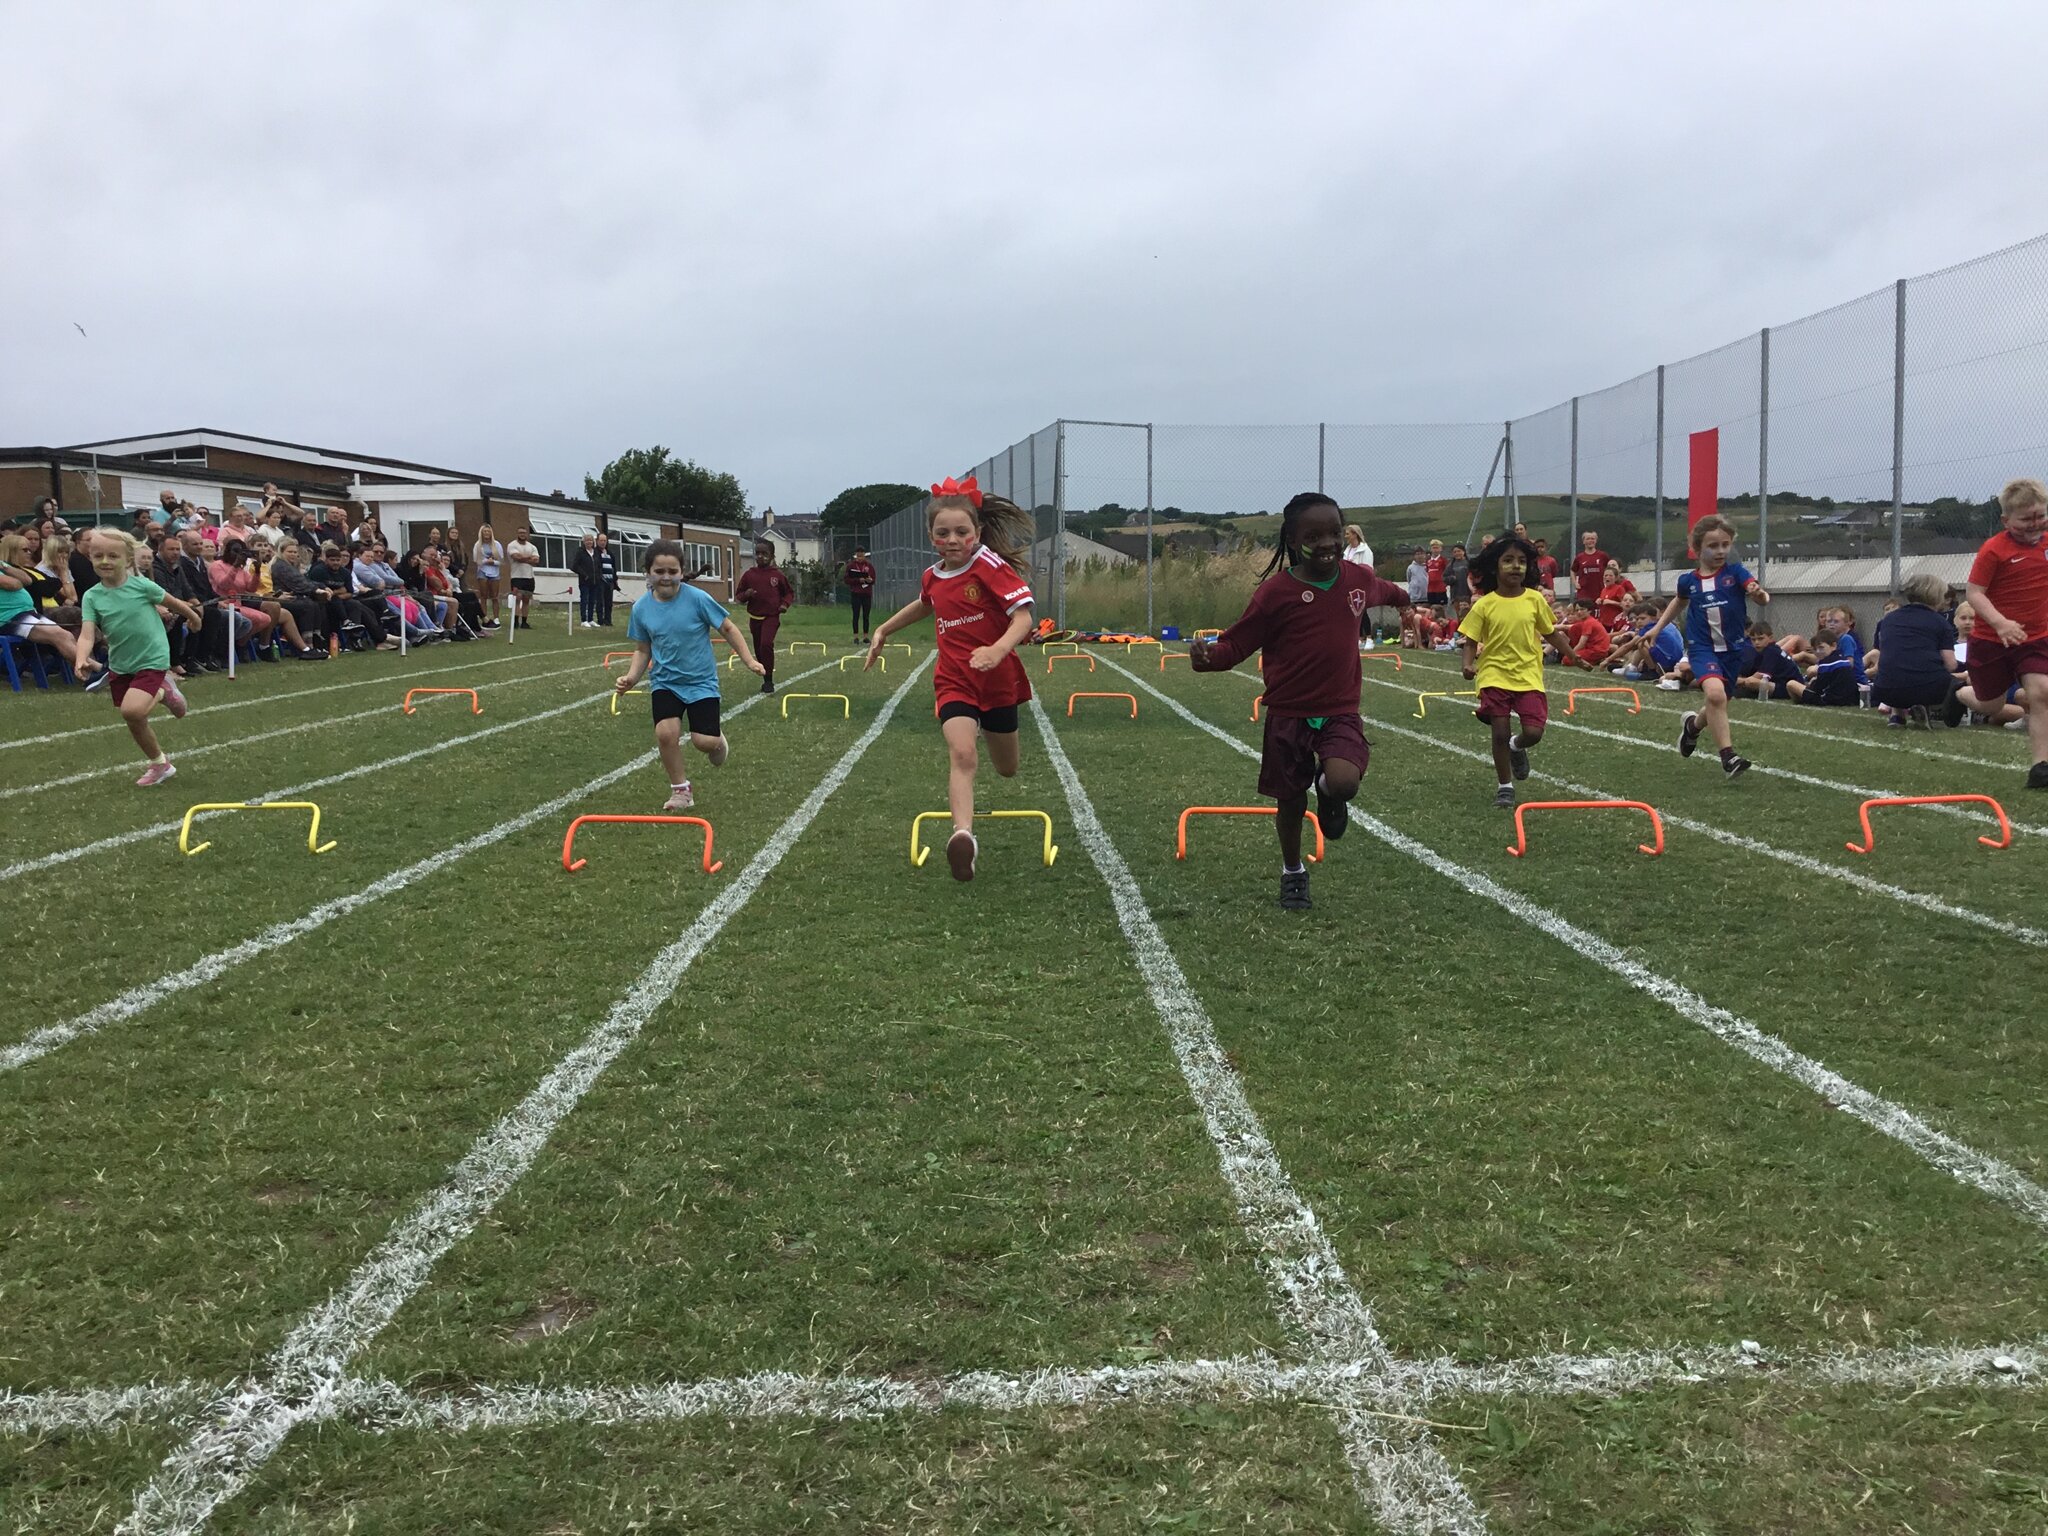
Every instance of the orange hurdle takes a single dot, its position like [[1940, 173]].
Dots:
[[1180, 843], [711, 867], [1382, 655], [1166, 656], [1521, 843], [612, 656], [1571, 699], [1257, 700], [1133, 698], [474, 707], [1051, 659], [2004, 839]]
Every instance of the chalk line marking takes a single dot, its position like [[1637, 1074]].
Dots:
[[1965, 1164], [142, 834], [186, 754], [211, 967], [206, 710], [1397, 1470], [386, 1407], [1856, 878], [250, 1421]]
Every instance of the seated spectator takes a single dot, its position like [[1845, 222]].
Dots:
[[233, 576], [333, 580], [1831, 682], [441, 586], [1588, 636], [374, 577], [1918, 645], [271, 530], [1628, 658], [56, 598], [1964, 703], [1616, 593], [19, 618], [1769, 672], [225, 621]]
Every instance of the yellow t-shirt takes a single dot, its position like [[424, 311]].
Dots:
[[1510, 633]]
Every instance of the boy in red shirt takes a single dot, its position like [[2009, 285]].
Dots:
[[1546, 569], [1304, 616], [1589, 568], [983, 609], [768, 596], [2008, 590], [1589, 637], [1438, 566]]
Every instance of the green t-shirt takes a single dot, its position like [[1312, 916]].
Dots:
[[127, 616], [14, 602]]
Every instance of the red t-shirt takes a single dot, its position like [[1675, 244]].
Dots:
[[972, 607], [1310, 638], [1590, 640], [765, 591], [1589, 569], [1614, 599], [1437, 566], [1546, 572], [860, 576], [2016, 577]]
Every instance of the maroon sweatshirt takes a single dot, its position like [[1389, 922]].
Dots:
[[1310, 638], [765, 591]]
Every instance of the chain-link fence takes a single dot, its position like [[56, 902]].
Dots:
[[1880, 429]]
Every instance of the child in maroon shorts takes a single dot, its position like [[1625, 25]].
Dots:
[[1503, 639], [1304, 616], [2009, 592]]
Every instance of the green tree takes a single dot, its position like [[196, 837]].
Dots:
[[855, 510], [652, 481]]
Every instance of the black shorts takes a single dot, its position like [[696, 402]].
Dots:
[[1001, 721], [701, 713], [523, 584]]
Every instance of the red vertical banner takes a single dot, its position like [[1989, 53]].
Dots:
[[1705, 494]]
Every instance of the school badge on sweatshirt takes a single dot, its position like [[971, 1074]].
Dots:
[[1357, 605]]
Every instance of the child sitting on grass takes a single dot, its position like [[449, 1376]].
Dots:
[[124, 607], [1769, 671], [1503, 640], [1304, 617]]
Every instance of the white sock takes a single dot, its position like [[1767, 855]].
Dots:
[[684, 785], [1293, 869], [1515, 743], [1506, 784]]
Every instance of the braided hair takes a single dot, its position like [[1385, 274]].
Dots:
[[1287, 543], [1484, 567]]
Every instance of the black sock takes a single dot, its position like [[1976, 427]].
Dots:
[[1727, 756]]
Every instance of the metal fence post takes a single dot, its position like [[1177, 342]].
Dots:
[[1059, 524], [1510, 501], [1572, 546], [1660, 481], [1763, 462], [1010, 469], [1322, 447], [1150, 628], [1898, 428]]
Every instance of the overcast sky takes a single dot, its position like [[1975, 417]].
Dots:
[[819, 245]]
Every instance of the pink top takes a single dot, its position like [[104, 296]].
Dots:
[[231, 580]]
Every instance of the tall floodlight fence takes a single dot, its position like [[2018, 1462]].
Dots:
[[1616, 469]]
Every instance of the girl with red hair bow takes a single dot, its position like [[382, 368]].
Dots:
[[983, 611]]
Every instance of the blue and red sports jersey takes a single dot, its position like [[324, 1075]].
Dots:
[[1716, 610]]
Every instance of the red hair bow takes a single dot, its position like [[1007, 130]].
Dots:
[[951, 487]]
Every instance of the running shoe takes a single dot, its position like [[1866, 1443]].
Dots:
[[1735, 767], [174, 701], [1518, 762], [1332, 815], [679, 799], [1667, 684], [1504, 797], [2037, 776], [155, 774], [1689, 734], [717, 758], [960, 851], [1294, 891]]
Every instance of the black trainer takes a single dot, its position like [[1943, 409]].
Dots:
[[1294, 890], [1518, 761], [1735, 767], [1688, 734], [1332, 815], [1504, 797], [2037, 776], [1953, 711]]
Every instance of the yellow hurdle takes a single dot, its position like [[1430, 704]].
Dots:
[[880, 661], [898, 645], [1422, 708], [313, 843], [919, 854], [1141, 640], [846, 712], [616, 696], [818, 643]]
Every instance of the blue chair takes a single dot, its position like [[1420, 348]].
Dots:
[[8, 646]]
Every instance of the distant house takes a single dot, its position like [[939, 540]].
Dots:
[[795, 538]]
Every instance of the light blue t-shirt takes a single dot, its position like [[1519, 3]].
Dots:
[[679, 633]]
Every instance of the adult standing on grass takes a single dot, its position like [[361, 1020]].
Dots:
[[522, 559], [607, 582], [583, 566], [487, 557], [860, 589], [1589, 569], [670, 626], [768, 596], [123, 607], [2009, 592]]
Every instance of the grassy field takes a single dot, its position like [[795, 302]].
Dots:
[[421, 1186]]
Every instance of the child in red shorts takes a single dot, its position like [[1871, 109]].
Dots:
[[1503, 640], [123, 608], [1304, 616], [2009, 591], [983, 608]]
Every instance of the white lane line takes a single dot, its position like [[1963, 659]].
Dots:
[[2033, 936], [1399, 1473], [248, 1423], [205, 708], [211, 967], [384, 1407], [141, 834], [1748, 721], [186, 754], [1980, 1171]]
